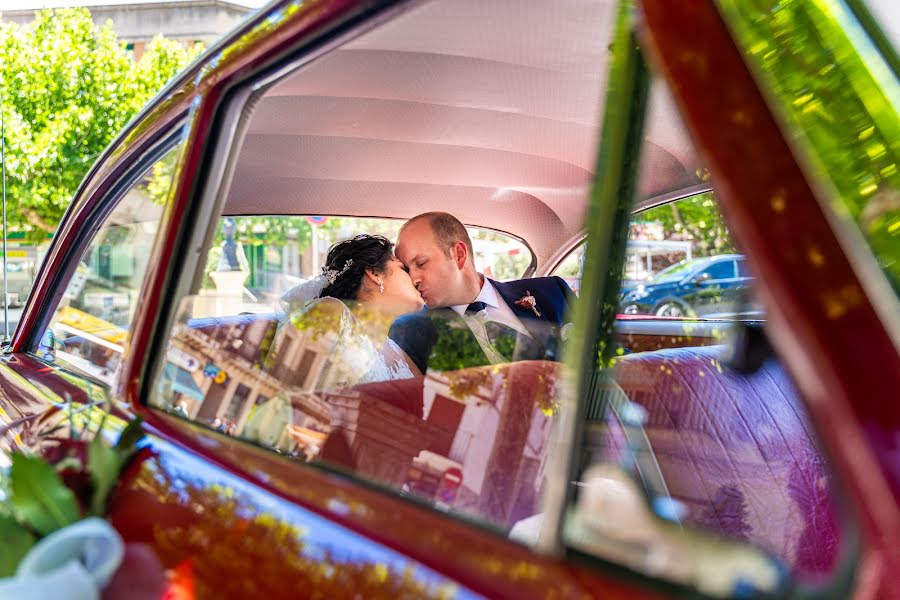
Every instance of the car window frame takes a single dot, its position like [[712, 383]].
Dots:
[[149, 155]]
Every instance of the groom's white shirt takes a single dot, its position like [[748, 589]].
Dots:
[[497, 310]]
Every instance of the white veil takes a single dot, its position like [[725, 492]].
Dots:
[[300, 295]]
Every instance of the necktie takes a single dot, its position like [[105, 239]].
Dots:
[[502, 338], [475, 308], [497, 335]]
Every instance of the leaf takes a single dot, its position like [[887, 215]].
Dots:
[[17, 541], [39, 497], [104, 465], [129, 439]]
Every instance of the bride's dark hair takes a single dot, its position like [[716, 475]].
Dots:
[[348, 260]]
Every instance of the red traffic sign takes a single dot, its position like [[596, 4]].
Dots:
[[452, 478], [316, 220]]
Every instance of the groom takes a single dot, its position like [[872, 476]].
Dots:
[[470, 320]]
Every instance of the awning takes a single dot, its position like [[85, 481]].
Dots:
[[182, 382]]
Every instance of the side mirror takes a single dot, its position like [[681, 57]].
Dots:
[[613, 520]]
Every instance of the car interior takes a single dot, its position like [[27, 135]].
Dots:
[[432, 111]]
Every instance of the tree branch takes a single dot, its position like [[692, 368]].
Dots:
[[35, 219]]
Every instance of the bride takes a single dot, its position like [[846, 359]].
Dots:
[[349, 310], [336, 334]]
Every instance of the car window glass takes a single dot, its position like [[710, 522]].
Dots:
[[454, 411], [667, 246], [719, 270], [680, 262], [464, 427], [254, 356], [697, 462], [696, 431], [572, 267], [90, 325], [279, 253]]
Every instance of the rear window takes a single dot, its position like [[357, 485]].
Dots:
[[280, 252]]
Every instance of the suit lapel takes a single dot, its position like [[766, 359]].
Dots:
[[536, 326]]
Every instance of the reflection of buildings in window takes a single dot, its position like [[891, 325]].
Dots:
[[500, 438], [237, 403], [224, 351], [301, 358], [495, 436]]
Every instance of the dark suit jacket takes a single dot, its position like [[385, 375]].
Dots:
[[440, 338]]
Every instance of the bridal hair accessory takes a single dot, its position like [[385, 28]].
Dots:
[[528, 301], [331, 275]]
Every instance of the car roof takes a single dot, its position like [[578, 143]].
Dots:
[[434, 111]]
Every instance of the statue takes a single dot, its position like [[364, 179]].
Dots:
[[233, 257], [229, 277]]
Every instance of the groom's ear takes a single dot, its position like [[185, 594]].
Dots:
[[460, 254]]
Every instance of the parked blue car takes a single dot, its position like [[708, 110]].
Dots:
[[712, 286]]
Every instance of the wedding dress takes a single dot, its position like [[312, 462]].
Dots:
[[355, 357], [351, 357]]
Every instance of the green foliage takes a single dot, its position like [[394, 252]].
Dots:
[[456, 348], [17, 541], [695, 219], [42, 494], [839, 97], [68, 88], [39, 497]]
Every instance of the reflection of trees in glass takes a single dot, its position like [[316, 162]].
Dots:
[[537, 379], [158, 182], [694, 219], [840, 98]]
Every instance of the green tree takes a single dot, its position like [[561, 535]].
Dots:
[[68, 88], [694, 219]]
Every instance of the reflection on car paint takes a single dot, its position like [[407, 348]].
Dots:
[[238, 542]]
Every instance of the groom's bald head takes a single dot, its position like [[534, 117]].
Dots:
[[446, 228], [437, 252]]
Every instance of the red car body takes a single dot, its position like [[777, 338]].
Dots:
[[846, 367]]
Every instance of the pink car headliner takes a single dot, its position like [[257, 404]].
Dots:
[[487, 110]]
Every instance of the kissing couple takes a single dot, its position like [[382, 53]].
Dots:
[[398, 311]]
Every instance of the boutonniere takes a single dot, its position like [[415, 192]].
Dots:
[[528, 301]]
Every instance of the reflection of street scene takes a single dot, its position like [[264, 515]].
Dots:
[[474, 440], [215, 378]]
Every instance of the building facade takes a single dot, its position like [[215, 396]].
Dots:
[[136, 23]]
